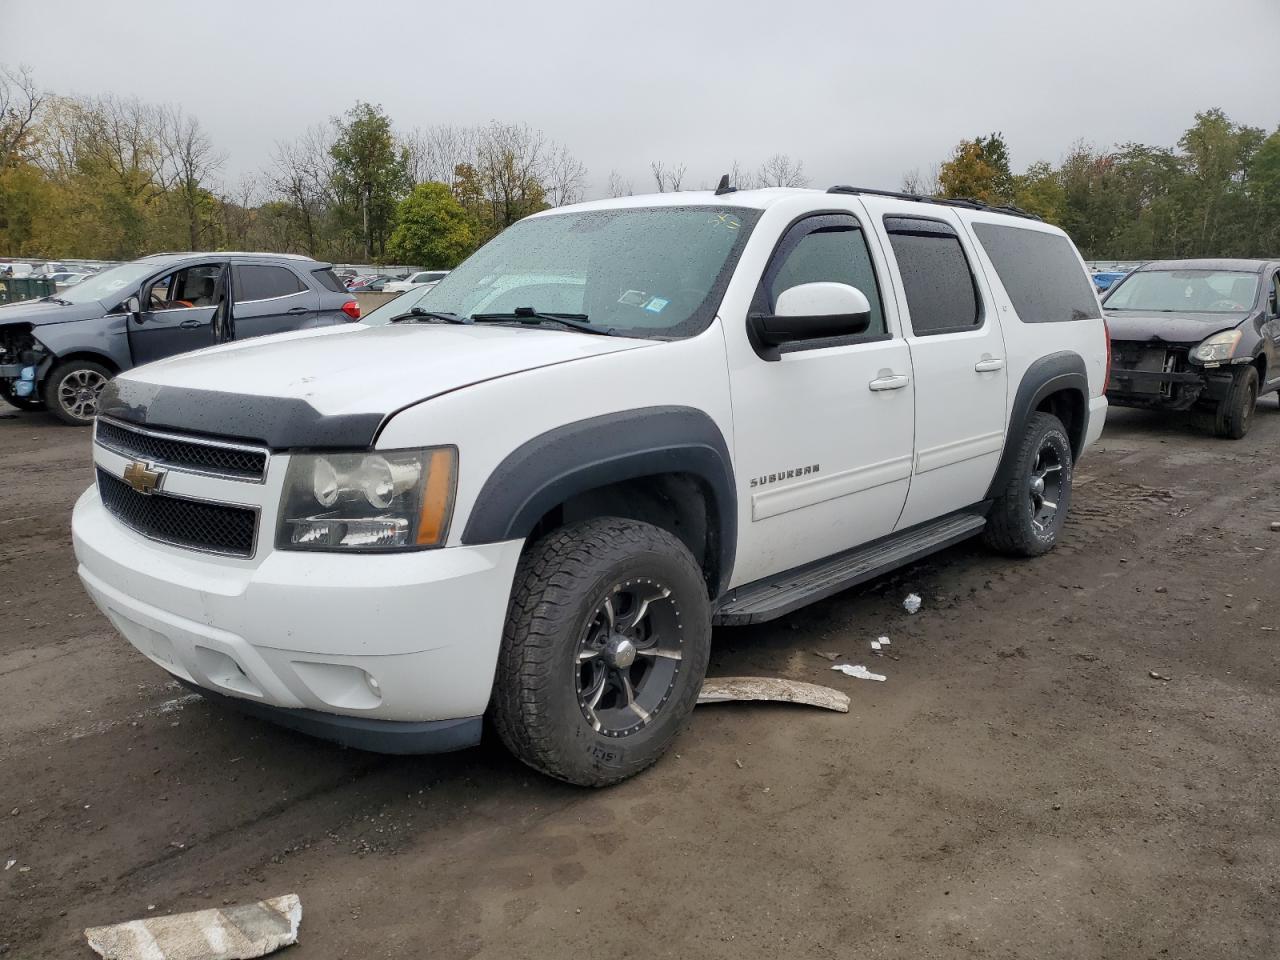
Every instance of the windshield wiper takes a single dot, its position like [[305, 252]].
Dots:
[[58, 300], [418, 313], [574, 321]]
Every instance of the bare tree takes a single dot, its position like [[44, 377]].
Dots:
[[436, 152], [921, 185], [187, 164], [237, 208], [667, 178], [618, 186], [20, 106], [741, 177], [301, 172], [781, 171], [512, 163], [564, 175]]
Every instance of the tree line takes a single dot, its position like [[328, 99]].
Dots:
[[113, 178], [1215, 194]]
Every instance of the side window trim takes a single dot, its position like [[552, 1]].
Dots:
[[969, 261], [787, 242]]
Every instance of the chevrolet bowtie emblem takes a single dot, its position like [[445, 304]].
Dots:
[[143, 478]]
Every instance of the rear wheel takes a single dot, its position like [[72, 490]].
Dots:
[[72, 389], [1235, 410], [1029, 512], [604, 651]]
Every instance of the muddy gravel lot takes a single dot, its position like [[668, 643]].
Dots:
[[1021, 786]]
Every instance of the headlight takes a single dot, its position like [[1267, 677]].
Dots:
[[385, 500], [1218, 347]]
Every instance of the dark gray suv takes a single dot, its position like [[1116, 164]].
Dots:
[[58, 352]]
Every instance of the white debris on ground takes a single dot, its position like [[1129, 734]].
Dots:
[[878, 645], [859, 672], [725, 689], [231, 933], [912, 603]]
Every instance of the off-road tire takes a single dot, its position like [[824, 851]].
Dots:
[[1235, 411], [1011, 526], [560, 582], [51, 391]]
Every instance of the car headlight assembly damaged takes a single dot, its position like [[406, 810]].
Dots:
[[368, 501], [1218, 348]]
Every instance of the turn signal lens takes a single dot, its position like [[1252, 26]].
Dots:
[[351, 309], [437, 496]]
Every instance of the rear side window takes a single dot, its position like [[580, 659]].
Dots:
[[262, 282], [1040, 272], [329, 280], [941, 293], [827, 249]]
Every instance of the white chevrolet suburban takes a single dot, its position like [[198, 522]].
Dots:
[[531, 495]]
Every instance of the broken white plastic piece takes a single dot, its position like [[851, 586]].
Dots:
[[875, 645], [722, 689], [912, 603], [231, 933], [859, 671], [883, 641]]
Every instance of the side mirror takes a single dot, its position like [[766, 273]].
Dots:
[[133, 305], [811, 311]]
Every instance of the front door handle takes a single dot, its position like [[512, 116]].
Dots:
[[298, 310], [190, 324], [895, 382], [989, 365]]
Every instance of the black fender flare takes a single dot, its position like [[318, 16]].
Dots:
[[576, 457], [1048, 375]]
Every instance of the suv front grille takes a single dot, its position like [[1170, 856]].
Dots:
[[210, 527], [219, 457]]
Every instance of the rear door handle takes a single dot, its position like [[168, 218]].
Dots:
[[190, 324], [895, 382], [989, 365], [299, 310]]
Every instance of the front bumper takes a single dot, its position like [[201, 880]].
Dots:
[[404, 639]]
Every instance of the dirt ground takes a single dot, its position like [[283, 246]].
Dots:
[[1021, 786]]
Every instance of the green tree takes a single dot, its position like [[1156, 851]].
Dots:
[[979, 170], [432, 229], [370, 174]]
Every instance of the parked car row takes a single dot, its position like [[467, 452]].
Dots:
[[745, 402]]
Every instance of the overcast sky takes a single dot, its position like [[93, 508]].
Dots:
[[859, 91]]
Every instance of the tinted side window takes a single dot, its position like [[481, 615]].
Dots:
[[255, 282], [329, 280], [936, 278], [835, 252], [1274, 302], [1040, 272]]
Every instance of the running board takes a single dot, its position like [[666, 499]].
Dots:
[[778, 595]]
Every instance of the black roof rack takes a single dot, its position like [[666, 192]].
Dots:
[[966, 202]]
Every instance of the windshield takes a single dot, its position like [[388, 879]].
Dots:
[[644, 272], [110, 286], [1185, 291]]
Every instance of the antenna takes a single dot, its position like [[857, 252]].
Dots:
[[724, 187]]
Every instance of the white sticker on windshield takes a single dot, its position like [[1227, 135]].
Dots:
[[656, 304], [634, 298]]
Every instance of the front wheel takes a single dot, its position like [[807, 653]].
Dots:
[[1029, 512], [72, 389], [1235, 410], [22, 403], [604, 650]]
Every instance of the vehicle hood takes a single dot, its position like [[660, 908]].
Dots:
[[346, 370], [41, 312], [1169, 327]]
